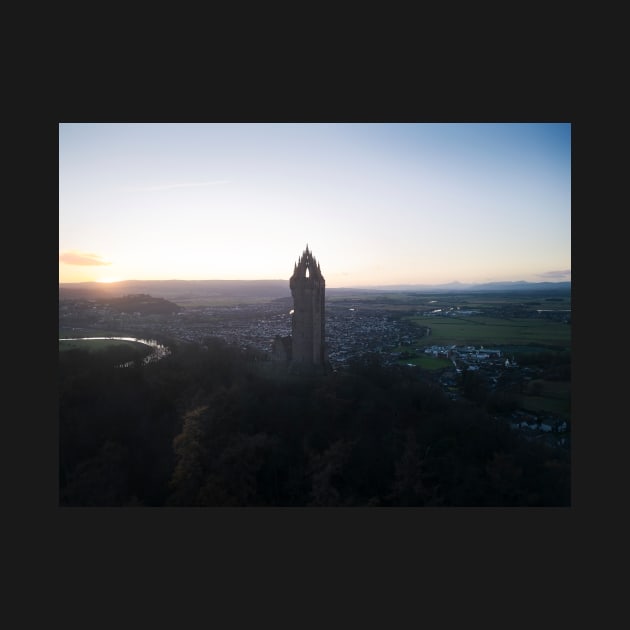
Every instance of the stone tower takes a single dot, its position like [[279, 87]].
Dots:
[[307, 327]]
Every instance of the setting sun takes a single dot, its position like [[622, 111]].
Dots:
[[377, 201]]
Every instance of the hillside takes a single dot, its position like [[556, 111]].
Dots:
[[143, 304], [177, 290], [180, 291]]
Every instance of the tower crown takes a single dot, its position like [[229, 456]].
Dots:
[[307, 267]]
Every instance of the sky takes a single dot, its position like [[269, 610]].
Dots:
[[378, 204]]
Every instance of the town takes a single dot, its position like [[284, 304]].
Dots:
[[353, 330]]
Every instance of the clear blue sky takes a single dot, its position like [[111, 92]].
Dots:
[[378, 204]]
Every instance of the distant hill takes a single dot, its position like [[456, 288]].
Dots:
[[454, 287], [143, 304], [177, 289], [182, 290]]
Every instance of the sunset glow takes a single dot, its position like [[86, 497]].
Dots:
[[108, 280], [378, 204]]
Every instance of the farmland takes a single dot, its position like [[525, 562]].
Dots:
[[96, 345], [431, 331], [493, 331]]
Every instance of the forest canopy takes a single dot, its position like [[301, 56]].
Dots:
[[212, 425]]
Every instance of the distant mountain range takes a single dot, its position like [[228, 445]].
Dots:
[[451, 287], [270, 289]]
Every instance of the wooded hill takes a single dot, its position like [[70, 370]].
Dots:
[[212, 426]]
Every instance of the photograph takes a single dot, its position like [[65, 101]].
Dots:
[[315, 314]]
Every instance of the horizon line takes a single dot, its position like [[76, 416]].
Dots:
[[398, 284]]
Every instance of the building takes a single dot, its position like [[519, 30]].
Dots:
[[308, 287], [304, 350]]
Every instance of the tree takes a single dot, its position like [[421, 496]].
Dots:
[[326, 469], [100, 480], [188, 476]]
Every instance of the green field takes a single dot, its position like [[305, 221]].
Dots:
[[66, 332], [428, 363], [557, 406], [491, 331], [104, 345]]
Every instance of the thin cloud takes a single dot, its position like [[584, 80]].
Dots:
[[176, 185], [83, 259], [555, 275]]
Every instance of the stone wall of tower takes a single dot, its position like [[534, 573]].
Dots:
[[308, 289]]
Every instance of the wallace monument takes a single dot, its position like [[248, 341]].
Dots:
[[305, 349]]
